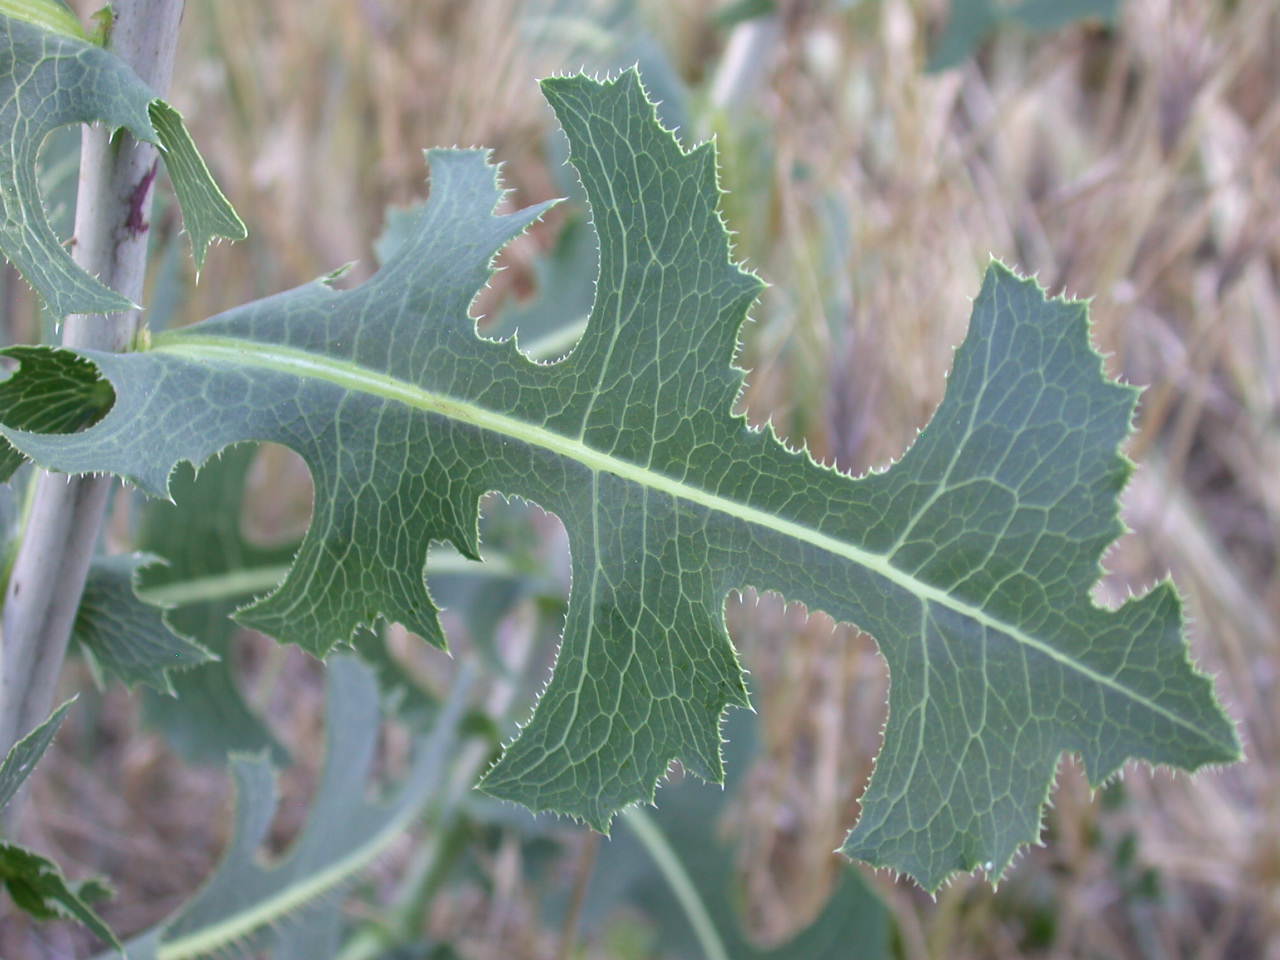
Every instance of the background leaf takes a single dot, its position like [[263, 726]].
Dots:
[[38, 887], [210, 570], [126, 636], [853, 924], [26, 753], [49, 14], [344, 831]]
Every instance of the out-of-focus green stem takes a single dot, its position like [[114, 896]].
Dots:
[[248, 581]]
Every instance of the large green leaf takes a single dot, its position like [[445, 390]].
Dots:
[[971, 561], [49, 80], [246, 900]]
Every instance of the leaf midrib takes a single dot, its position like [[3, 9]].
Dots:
[[296, 892], [352, 376], [253, 580]]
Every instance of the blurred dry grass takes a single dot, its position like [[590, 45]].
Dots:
[[1138, 166]]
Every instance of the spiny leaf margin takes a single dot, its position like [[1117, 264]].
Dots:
[[984, 538]]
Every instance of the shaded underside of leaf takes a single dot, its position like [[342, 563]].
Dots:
[[50, 80], [210, 570], [970, 561], [126, 636], [38, 887], [57, 398]]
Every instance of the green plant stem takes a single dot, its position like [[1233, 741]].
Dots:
[[248, 581], [668, 862], [113, 203]]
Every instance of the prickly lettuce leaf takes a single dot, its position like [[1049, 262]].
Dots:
[[244, 902], [971, 560], [49, 80]]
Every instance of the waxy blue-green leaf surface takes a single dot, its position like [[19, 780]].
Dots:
[[49, 80], [971, 560]]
